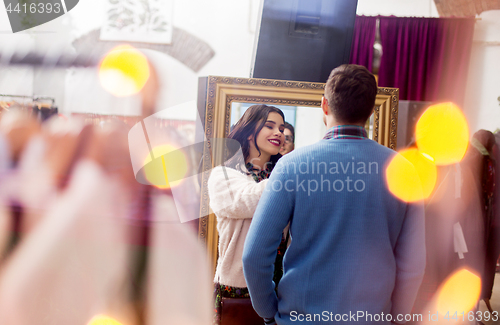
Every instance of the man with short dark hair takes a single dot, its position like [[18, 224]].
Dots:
[[350, 93], [357, 253], [288, 144]]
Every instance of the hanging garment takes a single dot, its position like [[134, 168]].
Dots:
[[493, 239], [36, 188], [5, 229], [454, 225], [5, 221], [5, 158], [179, 286], [73, 266]]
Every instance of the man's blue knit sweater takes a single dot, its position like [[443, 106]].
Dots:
[[355, 249]]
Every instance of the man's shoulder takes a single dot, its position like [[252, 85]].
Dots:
[[324, 146]]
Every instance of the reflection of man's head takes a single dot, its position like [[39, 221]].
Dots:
[[288, 144]]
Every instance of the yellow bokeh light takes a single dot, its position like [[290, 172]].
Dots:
[[411, 176], [425, 167], [124, 71], [442, 132], [159, 170], [103, 320], [459, 293]]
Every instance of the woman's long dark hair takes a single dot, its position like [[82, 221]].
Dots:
[[250, 124]]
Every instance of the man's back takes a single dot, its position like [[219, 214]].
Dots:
[[356, 250]]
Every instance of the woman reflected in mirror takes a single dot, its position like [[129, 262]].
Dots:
[[234, 190]]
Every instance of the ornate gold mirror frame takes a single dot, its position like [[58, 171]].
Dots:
[[221, 92]]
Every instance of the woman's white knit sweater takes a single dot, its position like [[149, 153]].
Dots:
[[233, 198]]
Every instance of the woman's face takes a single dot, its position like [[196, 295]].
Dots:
[[270, 137]]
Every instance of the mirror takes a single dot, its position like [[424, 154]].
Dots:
[[227, 98]]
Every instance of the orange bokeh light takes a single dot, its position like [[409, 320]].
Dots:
[[442, 132], [124, 71], [103, 320], [411, 176], [459, 293]]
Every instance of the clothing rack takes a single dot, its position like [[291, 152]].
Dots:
[[62, 60], [34, 104]]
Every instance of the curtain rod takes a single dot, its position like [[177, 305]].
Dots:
[[16, 96], [33, 98]]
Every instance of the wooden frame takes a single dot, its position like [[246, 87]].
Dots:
[[221, 92]]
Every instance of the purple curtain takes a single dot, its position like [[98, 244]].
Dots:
[[448, 76], [426, 58], [408, 45], [362, 42]]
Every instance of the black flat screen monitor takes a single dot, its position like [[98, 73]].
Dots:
[[303, 40]]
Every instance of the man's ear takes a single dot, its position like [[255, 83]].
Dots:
[[324, 105]]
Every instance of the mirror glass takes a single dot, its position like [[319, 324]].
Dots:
[[306, 120]]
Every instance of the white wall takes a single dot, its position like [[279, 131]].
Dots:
[[309, 126], [226, 25], [482, 107], [14, 81]]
